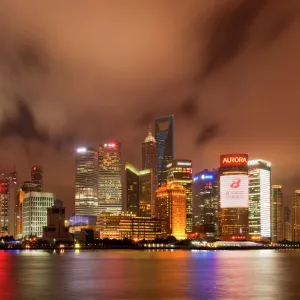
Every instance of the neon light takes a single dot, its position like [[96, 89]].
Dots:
[[205, 177], [110, 145], [81, 150], [183, 163], [234, 160], [169, 165]]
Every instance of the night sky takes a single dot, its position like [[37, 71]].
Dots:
[[83, 72]]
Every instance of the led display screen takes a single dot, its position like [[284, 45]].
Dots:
[[234, 191]]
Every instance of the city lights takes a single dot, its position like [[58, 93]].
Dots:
[[81, 150]]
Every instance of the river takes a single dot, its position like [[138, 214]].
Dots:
[[134, 274]]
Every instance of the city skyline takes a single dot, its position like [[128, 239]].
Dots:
[[213, 90]]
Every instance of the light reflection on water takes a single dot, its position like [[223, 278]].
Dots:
[[170, 275]]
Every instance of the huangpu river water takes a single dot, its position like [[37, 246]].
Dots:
[[168, 275]]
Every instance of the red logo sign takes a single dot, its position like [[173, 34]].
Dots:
[[234, 159], [235, 183]]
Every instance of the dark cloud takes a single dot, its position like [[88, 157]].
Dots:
[[229, 33], [22, 124], [207, 133]]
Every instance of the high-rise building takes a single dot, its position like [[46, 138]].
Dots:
[[164, 135], [146, 200], [86, 184], [37, 177], [150, 162], [277, 214], [35, 206], [234, 195], [170, 202], [287, 224], [259, 172], [296, 216], [19, 212], [132, 176], [206, 202], [4, 202], [180, 171], [110, 177], [139, 191]]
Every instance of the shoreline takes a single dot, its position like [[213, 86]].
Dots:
[[154, 248]]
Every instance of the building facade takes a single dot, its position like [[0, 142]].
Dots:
[[110, 177], [139, 189], [206, 202], [150, 162], [296, 216], [132, 178], [86, 187], [4, 202], [234, 195], [277, 213], [259, 172], [170, 205], [287, 224], [164, 135], [56, 229], [120, 226], [37, 177], [179, 171], [35, 207]]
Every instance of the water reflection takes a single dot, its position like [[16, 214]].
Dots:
[[149, 275]]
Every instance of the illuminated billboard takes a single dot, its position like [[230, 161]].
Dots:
[[234, 191], [234, 160]]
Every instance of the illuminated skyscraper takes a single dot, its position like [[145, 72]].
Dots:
[[287, 224], [146, 193], [35, 206], [109, 177], [150, 161], [86, 195], [296, 216], [206, 201], [164, 135], [37, 177], [234, 195], [132, 189], [138, 191], [277, 214], [4, 201], [170, 202], [259, 172], [180, 171]]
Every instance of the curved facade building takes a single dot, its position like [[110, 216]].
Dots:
[[86, 192]]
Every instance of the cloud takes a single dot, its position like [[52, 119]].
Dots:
[[229, 32]]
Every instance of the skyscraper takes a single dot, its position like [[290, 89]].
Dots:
[[138, 191], [170, 202], [132, 178], [110, 177], [86, 194], [150, 161], [259, 172], [287, 224], [277, 213], [37, 177], [35, 206], [164, 135], [234, 195], [180, 171], [296, 216], [4, 201], [147, 198], [206, 201]]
